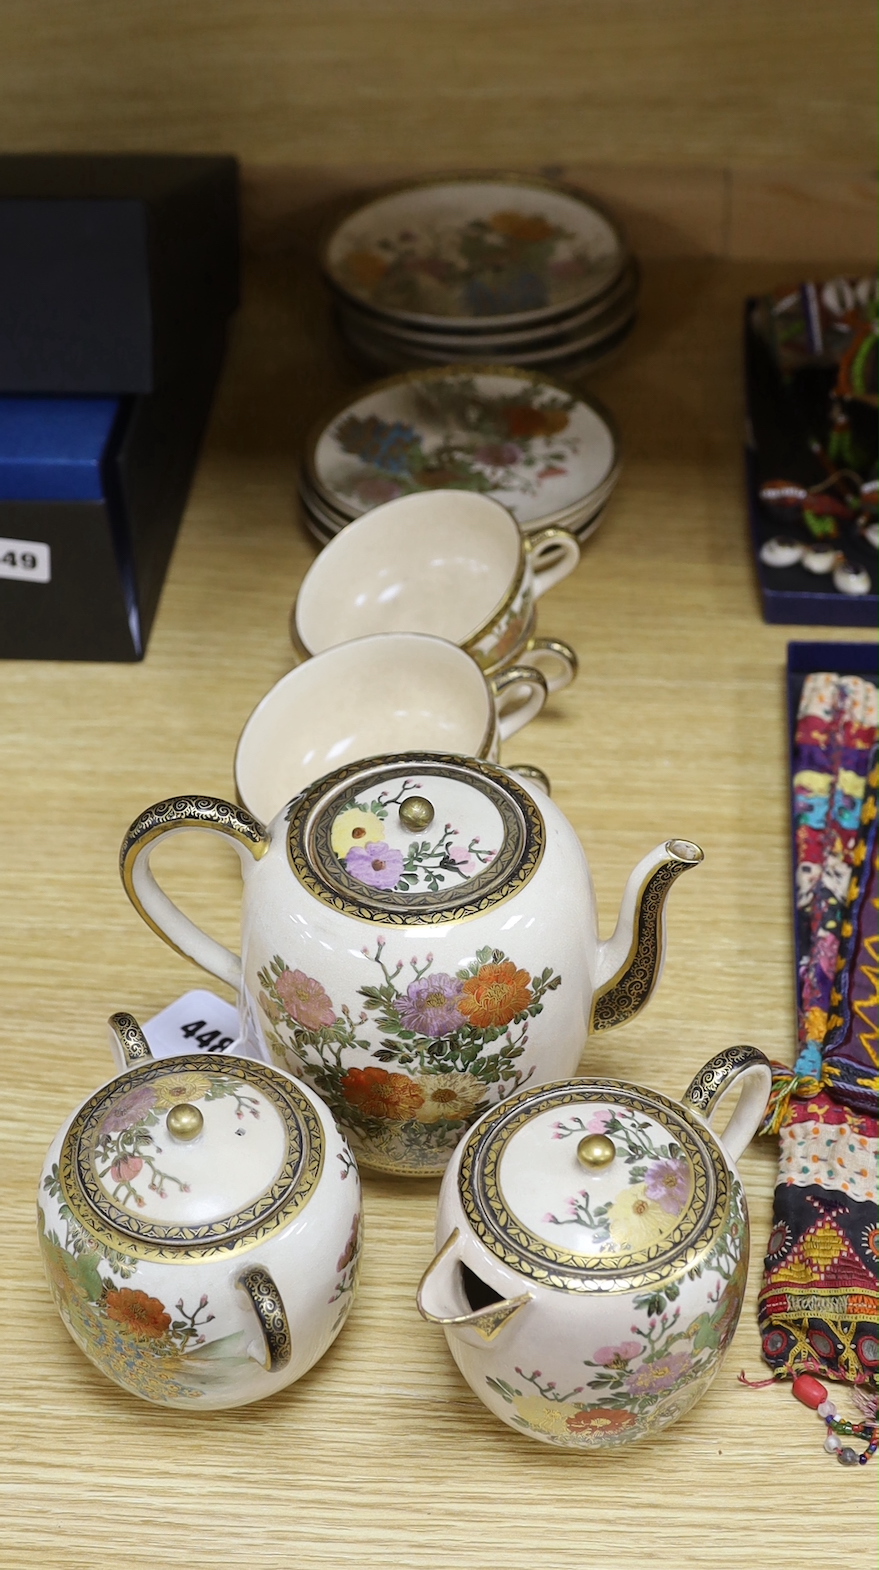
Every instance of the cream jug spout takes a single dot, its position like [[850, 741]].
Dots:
[[630, 963], [442, 1301]]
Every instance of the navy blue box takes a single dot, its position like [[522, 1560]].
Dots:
[[82, 564], [114, 270], [790, 594]]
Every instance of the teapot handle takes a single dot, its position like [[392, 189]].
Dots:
[[716, 1079], [434, 1296], [157, 910], [128, 1043], [268, 1305]]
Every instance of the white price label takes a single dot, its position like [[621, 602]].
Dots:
[[197, 1022], [30, 561]]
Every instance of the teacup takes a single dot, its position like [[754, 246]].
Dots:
[[392, 692], [451, 563]]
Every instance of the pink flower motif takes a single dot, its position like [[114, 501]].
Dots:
[[126, 1169], [498, 455], [379, 866], [373, 489], [661, 1374], [129, 1110], [305, 1000], [617, 1356], [462, 857], [669, 1182], [599, 1120], [550, 471]]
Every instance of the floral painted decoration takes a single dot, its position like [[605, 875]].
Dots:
[[655, 1372], [659, 1184], [450, 1042], [358, 840]]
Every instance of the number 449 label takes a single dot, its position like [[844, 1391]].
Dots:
[[30, 561], [197, 1022]]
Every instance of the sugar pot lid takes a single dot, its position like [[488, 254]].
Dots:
[[414, 838], [593, 1185], [187, 1157]]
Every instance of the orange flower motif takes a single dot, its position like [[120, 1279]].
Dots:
[[518, 226], [379, 1094], [495, 995], [524, 420], [366, 268], [143, 1316]]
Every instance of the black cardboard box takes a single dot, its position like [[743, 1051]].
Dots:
[[112, 268]]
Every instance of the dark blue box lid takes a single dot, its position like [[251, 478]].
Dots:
[[52, 449]]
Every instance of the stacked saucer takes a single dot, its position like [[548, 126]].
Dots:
[[508, 268], [548, 455]]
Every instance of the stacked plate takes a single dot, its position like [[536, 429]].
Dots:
[[507, 268], [550, 456]]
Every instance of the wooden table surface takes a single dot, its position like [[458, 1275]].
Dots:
[[381, 1456]]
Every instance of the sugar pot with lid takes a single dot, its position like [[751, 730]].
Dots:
[[593, 1252], [199, 1222], [419, 939]]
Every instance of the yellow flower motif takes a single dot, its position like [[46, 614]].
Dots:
[[180, 1087], [637, 1222], [447, 1096], [547, 1417], [355, 826]]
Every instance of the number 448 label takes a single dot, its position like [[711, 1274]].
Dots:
[[197, 1022], [30, 561]]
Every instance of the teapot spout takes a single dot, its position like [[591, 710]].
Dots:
[[630, 963]]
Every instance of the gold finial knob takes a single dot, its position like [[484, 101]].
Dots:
[[596, 1151], [184, 1122], [416, 812]]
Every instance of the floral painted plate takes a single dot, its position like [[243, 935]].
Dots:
[[519, 437], [558, 349], [507, 250]]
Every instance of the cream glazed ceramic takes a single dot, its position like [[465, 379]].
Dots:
[[199, 1221], [448, 562], [419, 940], [593, 1252], [377, 694]]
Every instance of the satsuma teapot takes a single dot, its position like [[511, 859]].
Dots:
[[593, 1252], [199, 1221], [419, 940]]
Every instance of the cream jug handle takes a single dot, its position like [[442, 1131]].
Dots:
[[717, 1078], [558, 549], [269, 1308], [158, 911], [128, 1043], [434, 1298]]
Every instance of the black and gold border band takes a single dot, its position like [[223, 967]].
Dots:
[[269, 1308]]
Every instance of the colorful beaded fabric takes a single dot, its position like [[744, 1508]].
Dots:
[[818, 1304]]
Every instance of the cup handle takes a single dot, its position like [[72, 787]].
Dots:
[[532, 690], [268, 1305], [158, 911], [717, 1078], [128, 1043], [556, 661], [558, 549]]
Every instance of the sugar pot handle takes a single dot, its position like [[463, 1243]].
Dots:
[[268, 1305], [158, 911], [712, 1084]]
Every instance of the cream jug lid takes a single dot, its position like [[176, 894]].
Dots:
[[593, 1185], [185, 1157], [414, 838]]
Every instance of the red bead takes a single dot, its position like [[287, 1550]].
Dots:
[[808, 1390]]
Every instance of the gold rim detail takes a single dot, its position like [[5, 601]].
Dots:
[[532, 1256], [309, 851], [118, 1229]]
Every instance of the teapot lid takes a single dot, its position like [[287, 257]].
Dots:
[[414, 838], [186, 1157], [593, 1185]]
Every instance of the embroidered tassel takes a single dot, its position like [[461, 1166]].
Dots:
[[787, 1083]]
